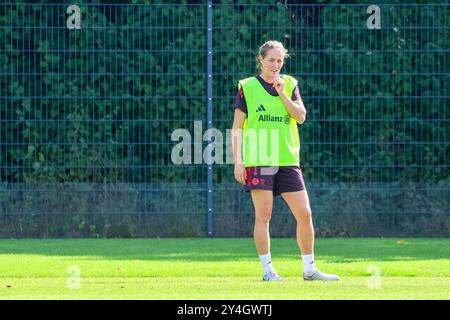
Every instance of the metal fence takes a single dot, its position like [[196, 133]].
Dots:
[[91, 95]]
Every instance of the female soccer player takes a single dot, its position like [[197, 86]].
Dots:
[[267, 109]]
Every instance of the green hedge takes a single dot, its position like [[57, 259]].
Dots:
[[98, 105]]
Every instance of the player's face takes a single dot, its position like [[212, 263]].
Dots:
[[272, 63]]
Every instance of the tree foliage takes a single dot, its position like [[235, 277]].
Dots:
[[98, 105]]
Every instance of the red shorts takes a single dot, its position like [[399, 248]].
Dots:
[[276, 179]]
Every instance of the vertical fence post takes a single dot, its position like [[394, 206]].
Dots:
[[209, 113]]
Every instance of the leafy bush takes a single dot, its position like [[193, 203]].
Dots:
[[96, 107]]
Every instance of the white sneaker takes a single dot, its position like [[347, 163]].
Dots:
[[317, 275], [272, 277]]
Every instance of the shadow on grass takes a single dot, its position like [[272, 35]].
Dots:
[[231, 249]]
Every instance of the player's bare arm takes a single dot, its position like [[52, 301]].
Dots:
[[236, 141], [296, 109]]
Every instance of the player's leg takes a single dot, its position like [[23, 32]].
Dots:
[[289, 183], [263, 202], [260, 184], [298, 203]]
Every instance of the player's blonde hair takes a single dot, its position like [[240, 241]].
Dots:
[[269, 45]]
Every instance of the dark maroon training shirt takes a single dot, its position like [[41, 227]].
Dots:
[[239, 101]]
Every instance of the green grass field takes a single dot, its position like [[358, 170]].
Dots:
[[370, 268]]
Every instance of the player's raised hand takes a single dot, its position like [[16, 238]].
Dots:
[[279, 85]]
